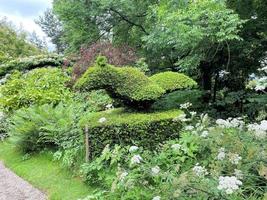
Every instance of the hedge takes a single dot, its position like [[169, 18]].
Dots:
[[31, 62], [130, 128], [171, 81], [130, 85]]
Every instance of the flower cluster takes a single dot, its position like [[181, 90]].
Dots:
[[233, 157], [185, 105], [102, 120], [199, 170], [260, 130], [230, 123], [136, 159], [229, 184]]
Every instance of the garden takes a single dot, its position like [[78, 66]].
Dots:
[[140, 100]]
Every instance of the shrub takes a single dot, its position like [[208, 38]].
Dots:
[[119, 56], [36, 128], [31, 62], [3, 126], [171, 81], [225, 159], [39, 86], [129, 84], [118, 126]]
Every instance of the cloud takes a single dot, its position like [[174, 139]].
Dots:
[[22, 13]]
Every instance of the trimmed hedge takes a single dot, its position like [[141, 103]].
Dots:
[[171, 81], [130, 85], [31, 62], [130, 128]]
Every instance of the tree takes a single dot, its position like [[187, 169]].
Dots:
[[35, 39], [14, 43], [53, 29]]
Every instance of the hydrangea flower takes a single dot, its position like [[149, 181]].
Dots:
[[221, 155], [123, 176], [109, 106], [260, 130], [136, 159], [229, 184], [199, 170], [156, 198], [102, 120], [189, 128], [133, 149], [235, 158], [155, 170], [176, 147], [185, 105], [204, 134], [230, 123]]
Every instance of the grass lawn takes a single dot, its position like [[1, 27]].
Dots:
[[44, 174]]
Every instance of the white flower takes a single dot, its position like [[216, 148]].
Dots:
[[185, 105], [189, 128], [222, 73], [109, 106], [176, 147], [155, 170], [221, 155], [199, 170], [133, 148], [235, 158], [136, 159], [156, 198], [229, 184], [102, 120], [204, 134], [193, 113], [230, 123], [123, 176], [238, 174], [181, 117], [260, 130]]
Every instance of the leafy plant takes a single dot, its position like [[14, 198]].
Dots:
[[39, 86]]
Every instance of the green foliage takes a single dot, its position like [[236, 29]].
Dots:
[[131, 85], [127, 83], [39, 86], [38, 127], [121, 127], [190, 167], [14, 43], [31, 62], [188, 30], [3, 126], [171, 81]]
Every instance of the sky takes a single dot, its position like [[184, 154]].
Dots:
[[23, 13]]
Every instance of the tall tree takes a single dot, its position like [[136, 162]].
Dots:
[[51, 25], [14, 42]]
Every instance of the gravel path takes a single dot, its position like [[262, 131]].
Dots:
[[13, 187]]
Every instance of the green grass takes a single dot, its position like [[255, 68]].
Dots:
[[43, 173]]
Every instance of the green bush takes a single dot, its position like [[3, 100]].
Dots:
[[39, 86], [118, 126], [171, 81], [38, 127], [131, 85], [31, 62]]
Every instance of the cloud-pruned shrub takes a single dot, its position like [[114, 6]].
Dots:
[[131, 85]]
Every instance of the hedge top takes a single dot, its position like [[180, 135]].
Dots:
[[130, 84], [121, 116]]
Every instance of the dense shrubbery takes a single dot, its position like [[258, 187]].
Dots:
[[31, 62], [118, 126], [42, 127], [222, 160], [39, 86], [131, 85]]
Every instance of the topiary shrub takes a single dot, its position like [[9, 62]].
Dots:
[[171, 81], [39, 86], [31, 62], [118, 126], [130, 85]]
